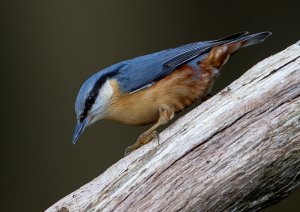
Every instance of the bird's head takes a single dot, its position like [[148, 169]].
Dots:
[[93, 100]]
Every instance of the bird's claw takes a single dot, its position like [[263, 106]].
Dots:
[[142, 140]]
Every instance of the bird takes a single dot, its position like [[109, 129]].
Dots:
[[153, 88]]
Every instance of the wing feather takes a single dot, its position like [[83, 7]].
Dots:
[[142, 71]]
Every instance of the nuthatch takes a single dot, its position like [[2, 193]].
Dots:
[[152, 88]]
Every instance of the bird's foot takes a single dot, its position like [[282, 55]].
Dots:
[[142, 140]]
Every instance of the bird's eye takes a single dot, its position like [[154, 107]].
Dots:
[[91, 99]]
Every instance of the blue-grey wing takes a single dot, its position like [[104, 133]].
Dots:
[[191, 52], [142, 72]]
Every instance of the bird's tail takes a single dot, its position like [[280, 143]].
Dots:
[[249, 40], [219, 54], [246, 40]]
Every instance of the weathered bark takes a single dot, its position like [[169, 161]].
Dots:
[[238, 151]]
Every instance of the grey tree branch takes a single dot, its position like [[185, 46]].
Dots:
[[238, 151]]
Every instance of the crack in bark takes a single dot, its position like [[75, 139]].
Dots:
[[277, 69]]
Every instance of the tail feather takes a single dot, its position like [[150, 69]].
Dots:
[[247, 40], [230, 37], [252, 39], [219, 55]]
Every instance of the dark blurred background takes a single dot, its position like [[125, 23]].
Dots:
[[49, 48]]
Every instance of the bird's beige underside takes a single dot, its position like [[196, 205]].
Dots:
[[178, 90]]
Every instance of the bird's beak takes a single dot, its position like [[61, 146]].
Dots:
[[80, 126]]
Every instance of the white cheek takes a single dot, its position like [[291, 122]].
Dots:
[[106, 91], [103, 101]]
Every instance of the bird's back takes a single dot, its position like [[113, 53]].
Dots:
[[148, 69]]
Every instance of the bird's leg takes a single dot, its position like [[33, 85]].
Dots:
[[165, 115]]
